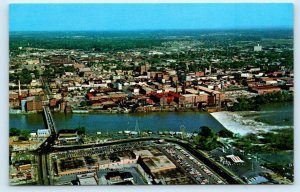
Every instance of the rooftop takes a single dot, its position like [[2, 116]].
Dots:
[[159, 163], [143, 153]]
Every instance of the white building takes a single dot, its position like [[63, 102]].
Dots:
[[43, 133], [247, 75], [258, 48]]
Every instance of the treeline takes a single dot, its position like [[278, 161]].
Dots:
[[113, 41], [275, 141], [254, 103], [275, 97], [97, 44]]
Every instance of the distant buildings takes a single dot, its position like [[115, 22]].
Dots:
[[176, 75], [144, 69]]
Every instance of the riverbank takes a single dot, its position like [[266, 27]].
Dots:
[[137, 111]]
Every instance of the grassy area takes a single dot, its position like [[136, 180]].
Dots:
[[22, 157]]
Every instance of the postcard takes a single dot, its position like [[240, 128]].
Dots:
[[151, 94]]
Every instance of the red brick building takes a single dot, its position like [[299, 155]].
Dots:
[[34, 103], [265, 89], [200, 74]]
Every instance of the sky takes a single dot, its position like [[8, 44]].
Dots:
[[119, 17]]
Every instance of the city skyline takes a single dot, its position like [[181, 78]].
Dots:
[[131, 17]]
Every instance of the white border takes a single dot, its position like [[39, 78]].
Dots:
[[151, 1], [215, 188]]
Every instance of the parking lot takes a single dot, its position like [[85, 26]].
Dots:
[[200, 173], [98, 150], [189, 169]]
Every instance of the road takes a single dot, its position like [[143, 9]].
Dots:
[[45, 148]]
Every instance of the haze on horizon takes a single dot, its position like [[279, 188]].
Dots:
[[130, 17]]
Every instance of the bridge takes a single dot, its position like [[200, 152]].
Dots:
[[45, 148], [49, 121]]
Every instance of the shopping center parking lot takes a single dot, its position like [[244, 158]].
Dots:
[[200, 173], [187, 169]]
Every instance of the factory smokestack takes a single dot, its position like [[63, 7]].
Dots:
[[19, 88], [20, 94]]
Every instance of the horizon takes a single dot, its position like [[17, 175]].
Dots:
[[149, 17], [166, 30]]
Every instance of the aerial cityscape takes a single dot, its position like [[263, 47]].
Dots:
[[151, 94]]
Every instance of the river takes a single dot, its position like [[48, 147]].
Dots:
[[157, 121], [271, 114], [277, 114]]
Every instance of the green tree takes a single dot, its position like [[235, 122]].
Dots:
[[206, 139], [83, 103], [14, 132], [206, 132], [24, 76], [244, 82], [25, 134], [48, 72], [36, 74], [225, 133]]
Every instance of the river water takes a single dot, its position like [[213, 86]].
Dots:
[[158, 121], [274, 114], [277, 114]]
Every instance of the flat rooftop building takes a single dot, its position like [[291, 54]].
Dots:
[[88, 179], [157, 164], [265, 89], [143, 153]]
